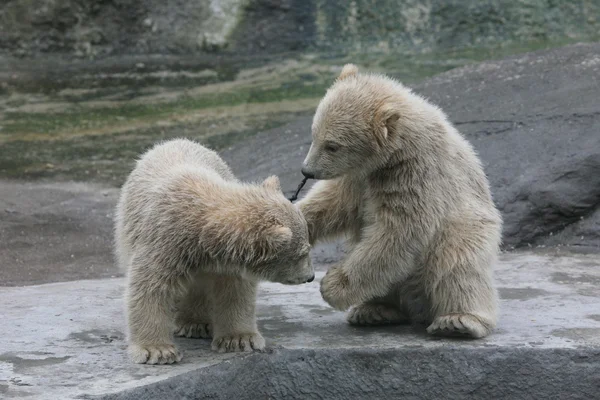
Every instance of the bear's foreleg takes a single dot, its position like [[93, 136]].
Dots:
[[373, 267], [330, 208], [234, 319]]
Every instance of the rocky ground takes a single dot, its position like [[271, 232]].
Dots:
[[533, 119], [87, 85], [66, 341], [69, 132]]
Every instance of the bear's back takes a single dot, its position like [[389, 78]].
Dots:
[[161, 179], [173, 154]]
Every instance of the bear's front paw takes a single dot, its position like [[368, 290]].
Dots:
[[335, 289], [154, 354], [238, 342], [202, 330]]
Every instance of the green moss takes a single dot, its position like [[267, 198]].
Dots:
[[49, 123], [109, 158]]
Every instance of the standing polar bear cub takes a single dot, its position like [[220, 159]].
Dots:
[[195, 243], [410, 193]]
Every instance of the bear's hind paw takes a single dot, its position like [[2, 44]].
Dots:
[[201, 330], [375, 314], [461, 325]]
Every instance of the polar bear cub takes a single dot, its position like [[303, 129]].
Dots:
[[195, 242], [410, 193]]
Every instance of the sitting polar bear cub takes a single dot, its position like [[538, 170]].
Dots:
[[411, 194], [195, 242]]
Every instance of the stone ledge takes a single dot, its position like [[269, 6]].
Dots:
[[436, 373], [65, 340]]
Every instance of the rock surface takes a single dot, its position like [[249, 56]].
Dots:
[[55, 232], [534, 120], [65, 340], [95, 28]]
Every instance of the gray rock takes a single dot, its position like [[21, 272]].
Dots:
[[369, 374], [55, 232], [533, 118], [66, 341], [535, 121], [262, 27]]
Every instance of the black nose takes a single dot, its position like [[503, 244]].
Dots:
[[307, 174], [312, 278]]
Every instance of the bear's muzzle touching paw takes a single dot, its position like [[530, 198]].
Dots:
[[238, 343], [154, 354], [460, 325], [335, 289], [200, 330]]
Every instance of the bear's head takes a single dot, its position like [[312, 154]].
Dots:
[[279, 250], [352, 125]]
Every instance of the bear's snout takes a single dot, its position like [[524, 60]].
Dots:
[[308, 174]]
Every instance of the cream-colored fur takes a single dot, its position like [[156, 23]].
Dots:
[[195, 243], [410, 193]]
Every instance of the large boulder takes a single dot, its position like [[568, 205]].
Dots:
[[535, 121]]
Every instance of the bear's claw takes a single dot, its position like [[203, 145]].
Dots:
[[202, 330], [465, 325], [154, 354], [238, 342]]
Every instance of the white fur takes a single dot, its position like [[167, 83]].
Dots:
[[410, 193], [195, 242]]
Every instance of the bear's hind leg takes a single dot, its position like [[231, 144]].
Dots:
[[193, 317], [149, 309], [234, 319], [372, 313], [381, 311], [458, 283]]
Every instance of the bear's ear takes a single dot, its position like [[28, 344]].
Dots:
[[385, 122], [272, 183], [277, 236], [348, 71]]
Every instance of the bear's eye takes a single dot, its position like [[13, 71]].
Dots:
[[331, 147]]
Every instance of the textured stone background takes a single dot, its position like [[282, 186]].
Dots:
[[93, 28]]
